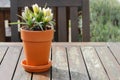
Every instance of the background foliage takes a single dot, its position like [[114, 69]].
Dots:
[[104, 20]]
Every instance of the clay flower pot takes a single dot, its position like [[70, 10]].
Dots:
[[36, 45]]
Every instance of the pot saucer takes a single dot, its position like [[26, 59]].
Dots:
[[30, 68]]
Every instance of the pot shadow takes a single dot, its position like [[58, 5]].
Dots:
[[63, 74]]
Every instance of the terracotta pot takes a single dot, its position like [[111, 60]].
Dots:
[[36, 45]]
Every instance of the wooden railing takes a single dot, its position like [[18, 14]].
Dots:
[[64, 13]]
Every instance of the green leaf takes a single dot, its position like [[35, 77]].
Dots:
[[17, 23], [21, 17]]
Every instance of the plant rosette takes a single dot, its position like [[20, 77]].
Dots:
[[36, 34]]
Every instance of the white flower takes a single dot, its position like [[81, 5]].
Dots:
[[23, 15], [47, 11], [40, 9], [26, 10], [35, 8]]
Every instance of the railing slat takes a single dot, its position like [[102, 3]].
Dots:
[[2, 29], [74, 23], [85, 21], [62, 23], [14, 18]]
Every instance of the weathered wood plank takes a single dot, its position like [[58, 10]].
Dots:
[[41, 76], [109, 62], [60, 65], [9, 63], [62, 24], [20, 73], [80, 43], [74, 23], [95, 68], [2, 53], [115, 48], [76, 64]]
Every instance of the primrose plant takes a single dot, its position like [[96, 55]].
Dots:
[[37, 18]]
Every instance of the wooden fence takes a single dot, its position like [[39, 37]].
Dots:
[[63, 14]]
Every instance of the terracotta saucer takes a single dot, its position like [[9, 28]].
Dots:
[[30, 68]]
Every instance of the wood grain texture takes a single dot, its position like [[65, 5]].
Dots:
[[76, 64], [9, 63], [41, 76], [114, 47], [20, 73], [60, 65], [109, 62], [2, 53], [71, 61], [95, 68]]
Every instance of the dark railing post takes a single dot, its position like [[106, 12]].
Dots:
[[85, 21], [14, 18], [74, 23]]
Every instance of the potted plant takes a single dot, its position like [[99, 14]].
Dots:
[[36, 34]]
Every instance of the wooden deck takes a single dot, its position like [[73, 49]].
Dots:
[[71, 61]]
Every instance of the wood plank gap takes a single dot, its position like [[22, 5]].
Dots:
[[113, 54], [85, 64], [68, 63], [76, 64], [93, 63], [102, 64], [31, 76], [20, 73], [4, 55], [60, 66], [8, 65], [51, 67], [17, 63]]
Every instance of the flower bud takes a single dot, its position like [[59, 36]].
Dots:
[[44, 11], [35, 8], [23, 15], [26, 10]]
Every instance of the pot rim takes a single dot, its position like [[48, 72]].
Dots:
[[37, 31]]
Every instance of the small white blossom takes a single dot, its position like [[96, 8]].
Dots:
[[35, 8]]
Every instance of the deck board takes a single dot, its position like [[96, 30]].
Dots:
[[2, 53], [60, 65], [20, 74], [109, 62], [9, 63], [115, 49], [93, 64], [70, 61], [77, 67]]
